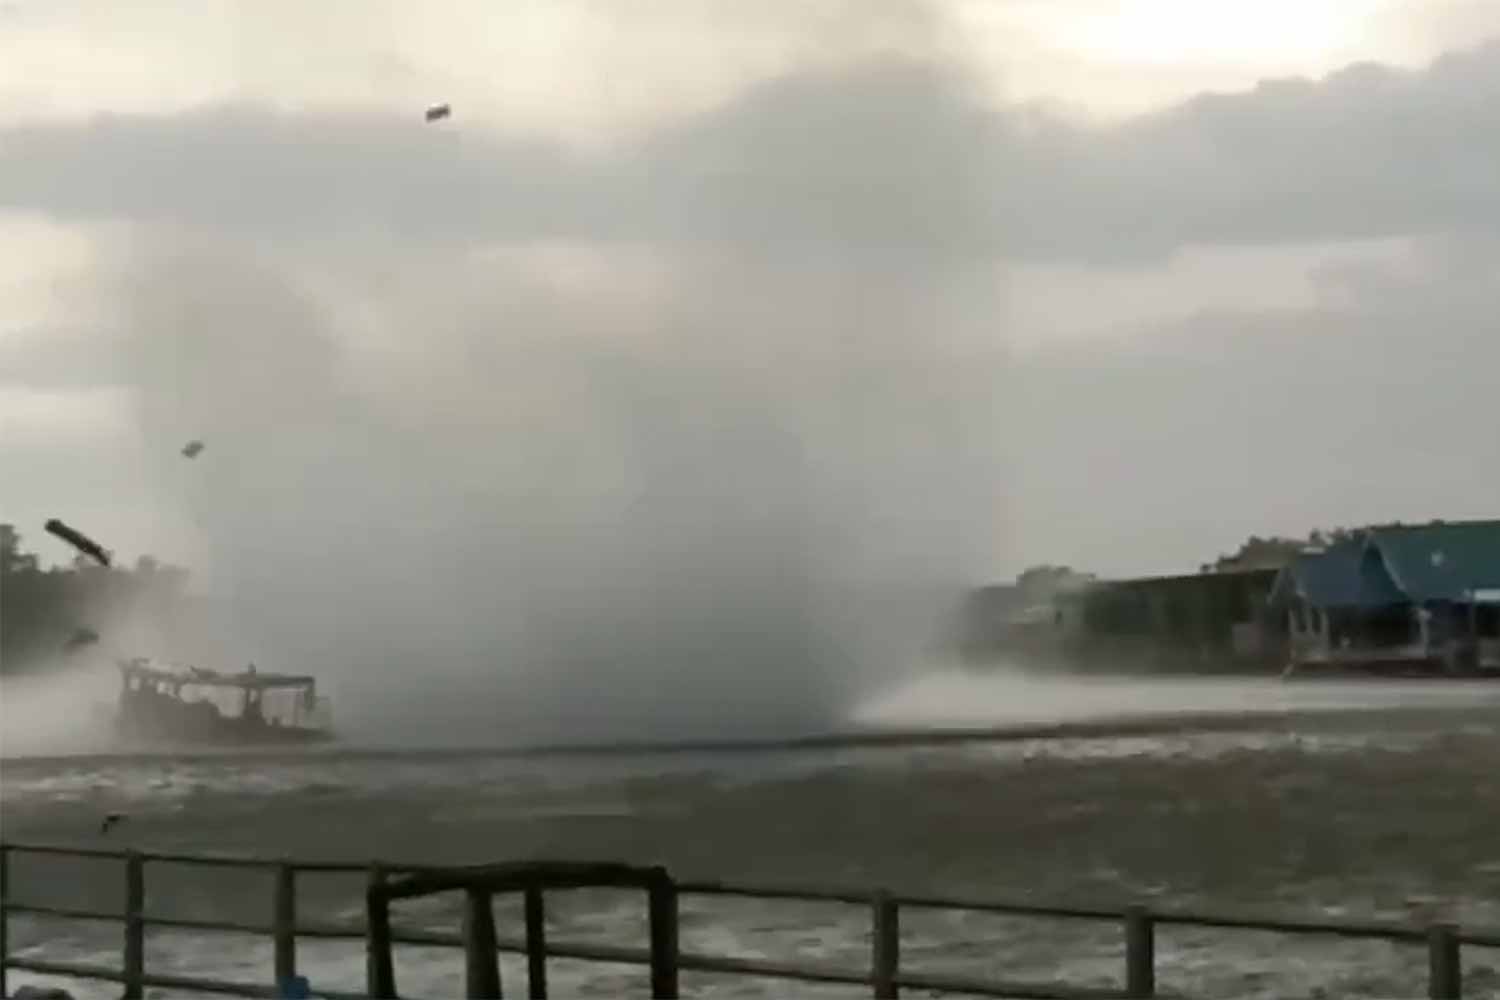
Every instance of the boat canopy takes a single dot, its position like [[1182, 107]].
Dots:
[[248, 679]]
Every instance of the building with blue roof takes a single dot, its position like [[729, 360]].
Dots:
[[1407, 595]]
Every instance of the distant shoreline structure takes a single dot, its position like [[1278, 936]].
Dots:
[[1405, 600]]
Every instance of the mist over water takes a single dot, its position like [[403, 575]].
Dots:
[[501, 506], [1008, 694]]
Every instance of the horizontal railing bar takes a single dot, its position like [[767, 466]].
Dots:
[[1005, 990], [186, 923], [219, 860], [149, 920], [771, 970], [639, 956], [809, 894], [331, 932], [165, 857], [207, 860], [826, 895], [1298, 925], [72, 852], [358, 868], [1366, 930], [598, 952], [1354, 929], [1014, 908], [1351, 929], [64, 912], [625, 955], [1490, 940]]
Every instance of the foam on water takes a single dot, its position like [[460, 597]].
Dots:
[[958, 698]]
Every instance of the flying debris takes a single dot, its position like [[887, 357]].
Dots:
[[192, 448], [438, 112], [79, 541], [82, 636], [110, 821]]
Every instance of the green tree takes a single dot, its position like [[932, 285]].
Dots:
[[12, 558], [42, 610]]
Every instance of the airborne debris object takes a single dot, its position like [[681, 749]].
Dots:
[[110, 821], [83, 543], [82, 636], [438, 112], [192, 448]]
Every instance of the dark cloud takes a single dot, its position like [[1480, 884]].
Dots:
[[885, 154]]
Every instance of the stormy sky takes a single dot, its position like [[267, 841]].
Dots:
[[892, 289]]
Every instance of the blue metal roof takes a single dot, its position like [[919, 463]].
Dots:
[[1397, 565], [1345, 575], [1441, 562]]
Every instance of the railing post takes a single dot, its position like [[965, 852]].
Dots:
[[481, 957], [662, 907], [380, 965], [4, 915], [134, 969], [1444, 969], [885, 945], [284, 924], [536, 943], [1140, 953]]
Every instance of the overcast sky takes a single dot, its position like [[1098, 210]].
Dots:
[[1112, 284]]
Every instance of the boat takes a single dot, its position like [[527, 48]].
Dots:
[[162, 702]]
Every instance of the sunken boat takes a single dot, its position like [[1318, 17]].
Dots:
[[167, 703]]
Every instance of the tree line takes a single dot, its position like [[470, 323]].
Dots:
[[49, 613], [1256, 552]]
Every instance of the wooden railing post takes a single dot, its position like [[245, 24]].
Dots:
[[885, 946], [536, 943], [1444, 968], [134, 969], [1140, 953], [284, 924], [4, 915], [481, 958], [380, 964], [662, 911]]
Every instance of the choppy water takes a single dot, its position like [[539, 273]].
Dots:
[[1387, 809]]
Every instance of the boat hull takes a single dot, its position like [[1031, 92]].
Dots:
[[224, 732], [201, 722]]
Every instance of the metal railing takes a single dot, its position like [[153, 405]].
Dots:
[[884, 975]]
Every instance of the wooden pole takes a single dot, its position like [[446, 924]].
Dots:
[[380, 966], [536, 943], [662, 906], [481, 957], [1140, 953], [134, 970], [4, 915], [1444, 969], [885, 944], [284, 923]]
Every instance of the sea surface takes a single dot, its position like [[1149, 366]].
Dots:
[[1356, 800]]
